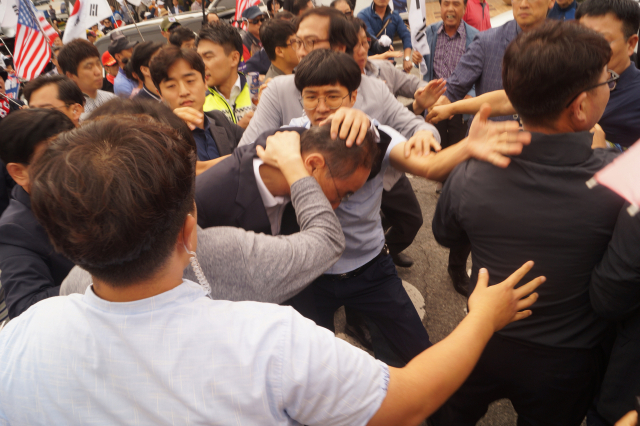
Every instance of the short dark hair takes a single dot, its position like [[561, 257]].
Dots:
[[628, 11], [181, 35], [284, 15], [113, 195], [359, 24], [169, 55], [334, 3], [19, 137], [223, 34], [275, 33], [342, 161], [68, 91], [341, 31], [156, 110], [141, 56], [299, 5], [543, 68], [74, 52], [323, 66], [465, 2]]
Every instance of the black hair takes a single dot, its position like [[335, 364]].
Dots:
[[465, 2], [275, 33], [543, 68], [68, 91], [169, 55], [298, 6], [284, 15], [113, 195], [156, 110], [334, 3], [19, 137], [628, 11], [74, 52], [223, 34], [141, 56], [324, 66], [181, 35], [342, 161], [341, 31]]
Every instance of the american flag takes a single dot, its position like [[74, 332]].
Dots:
[[241, 5], [32, 52], [49, 32]]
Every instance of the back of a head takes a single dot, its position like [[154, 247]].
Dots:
[[156, 110], [223, 34], [68, 91], [169, 55], [275, 33], [323, 67], [284, 15], [19, 137], [75, 52], [141, 56], [181, 35], [341, 32], [342, 160], [113, 196], [358, 24], [627, 11], [298, 6], [544, 68]]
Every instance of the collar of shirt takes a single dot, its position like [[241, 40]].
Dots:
[[371, 69], [461, 31], [628, 76], [562, 149], [565, 9], [387, 12], [156, 97], [268, 199], [235, 91], [184, 293]]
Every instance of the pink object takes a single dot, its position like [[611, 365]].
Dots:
[[622, 176]]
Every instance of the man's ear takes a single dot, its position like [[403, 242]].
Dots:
[[145, 71], [19, 173], [279, 52], [314, 162], [187, 237], [73, 77], [77, 111], [631, 44], [235, 58], [578, 112]]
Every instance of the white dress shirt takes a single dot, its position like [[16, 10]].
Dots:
[[180, 358], [273, 205]]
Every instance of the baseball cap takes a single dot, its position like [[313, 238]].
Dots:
[[252, 12], [107, 59], [119, 43], [168, 23]]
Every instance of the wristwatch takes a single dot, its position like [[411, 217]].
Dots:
[[407, 58]]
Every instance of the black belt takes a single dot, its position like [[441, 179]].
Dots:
[[358, 271]]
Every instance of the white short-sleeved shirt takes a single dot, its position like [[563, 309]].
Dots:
[[180, 358]]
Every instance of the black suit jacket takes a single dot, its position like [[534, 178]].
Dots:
[[30, 269], [227, 194], [226, 134]]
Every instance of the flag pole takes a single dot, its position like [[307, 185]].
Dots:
[[128, 12], [7, 47], [11, 100]]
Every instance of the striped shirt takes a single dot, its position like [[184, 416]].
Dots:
[[449, 50], [90, 103]]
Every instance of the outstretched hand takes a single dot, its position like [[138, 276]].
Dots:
[[427, 96], [493, 141], [502, 303], [352, 123]]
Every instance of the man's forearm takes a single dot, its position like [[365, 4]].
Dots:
[[434, 375], [435, 166], [500, 104]]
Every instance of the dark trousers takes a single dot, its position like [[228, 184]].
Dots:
[[452, 131], [378, 293], [458, 256], [547, 386], [402, 215]]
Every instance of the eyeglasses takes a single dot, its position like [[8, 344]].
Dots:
[[340, 198], [611, 82], [311, 102], [308, 44], [365, 43], [258, 20]]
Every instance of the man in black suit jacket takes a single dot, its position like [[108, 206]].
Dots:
[[244, 192], [179, 75], [30, 269]]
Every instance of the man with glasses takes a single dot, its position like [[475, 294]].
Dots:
[[254, 18], [535, 208], [56, 92], [278, 40]]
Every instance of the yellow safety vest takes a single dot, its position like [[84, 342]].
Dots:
[[243, 104]]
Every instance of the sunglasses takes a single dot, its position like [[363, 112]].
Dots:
[[257, 20]]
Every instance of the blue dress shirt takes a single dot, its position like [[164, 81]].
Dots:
[[180, 358], [122, 86], [621, 118], [563, 14], [207, 148]]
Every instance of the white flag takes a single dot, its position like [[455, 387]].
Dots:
[[9, 13], [418, 25], [85, 14]]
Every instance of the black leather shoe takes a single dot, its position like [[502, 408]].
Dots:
[[402, 260], [460, 280]]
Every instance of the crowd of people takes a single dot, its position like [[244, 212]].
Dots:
[[175, 241]]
